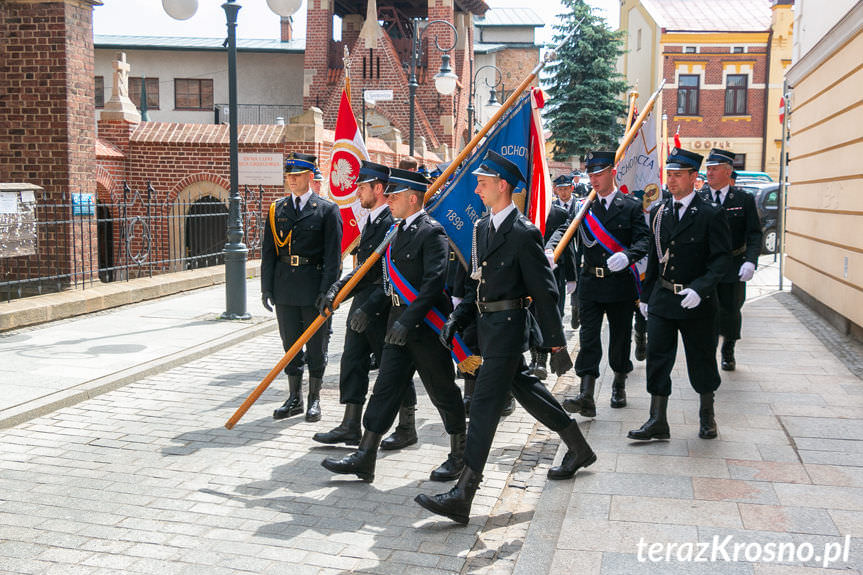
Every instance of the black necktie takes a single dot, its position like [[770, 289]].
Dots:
[[491, 232], [719, 197], [297, 203], [677, 206], [368, 221]]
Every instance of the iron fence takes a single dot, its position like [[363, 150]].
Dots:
[[80, 241], [257, 113]]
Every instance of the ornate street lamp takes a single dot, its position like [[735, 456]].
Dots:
[[492, 105], [445, 80], [235, 250]]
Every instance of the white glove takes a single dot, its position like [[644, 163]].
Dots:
[[691, 299], [642, 307], [570, 287], [617, 262], [455, 301], [549, 255], [747, 270]]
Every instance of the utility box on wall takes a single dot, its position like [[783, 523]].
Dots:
[[18, 219]]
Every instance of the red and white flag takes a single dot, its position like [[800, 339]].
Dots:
[[540, 179], [349, 150]]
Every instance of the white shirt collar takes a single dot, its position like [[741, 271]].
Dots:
[[377, 211], [685, 200], [607, 198], [498, 218], [304, 199], [410, 219], [722, 193]]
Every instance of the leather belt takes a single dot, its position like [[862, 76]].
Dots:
[[597, 272], [503, 305], [294, 260], [676, 288], [739, 251]]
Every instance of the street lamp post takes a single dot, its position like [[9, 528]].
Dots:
[[445, 79], [492, 102], [236, 251]]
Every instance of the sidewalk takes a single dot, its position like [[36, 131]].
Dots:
[[145, 479]]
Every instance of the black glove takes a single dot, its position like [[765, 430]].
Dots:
[[560, 362], [397, 335], [267, 301], [359, 321], [447, 332], [325, 301]]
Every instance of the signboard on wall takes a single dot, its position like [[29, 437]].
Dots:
[[17, 220], [261, 169]]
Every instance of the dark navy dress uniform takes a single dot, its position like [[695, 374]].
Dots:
[[741, 214]]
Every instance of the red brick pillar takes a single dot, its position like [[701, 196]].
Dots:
[[439, 109], [319, 34], [47, 121]]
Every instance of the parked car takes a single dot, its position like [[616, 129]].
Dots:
[[767, 203]]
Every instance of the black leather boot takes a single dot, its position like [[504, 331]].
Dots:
[[531, 368], [406, 431], [451, 468], [640, 344], [575, 321], [313, 413], [455, 503], [508, 406], [541, 371], [361, 462], [707, 427], [294, 404], [656, 427], [618, 390], [583, 402], [348, 431], [728, 362], [469, 386], [578, 455]]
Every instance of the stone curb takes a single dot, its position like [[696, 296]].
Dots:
[[83, 391]]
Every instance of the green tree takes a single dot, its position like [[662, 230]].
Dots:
[[585, 108]]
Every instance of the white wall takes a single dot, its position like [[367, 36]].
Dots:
[[505, 34], [488, 75], [813, 19], [262, 78]]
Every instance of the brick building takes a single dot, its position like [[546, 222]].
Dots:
[[723, 62]]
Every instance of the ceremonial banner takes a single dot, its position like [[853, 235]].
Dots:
[[349, 150], [638, 169], [518, 138]]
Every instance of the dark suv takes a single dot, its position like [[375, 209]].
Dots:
[[767, 202]]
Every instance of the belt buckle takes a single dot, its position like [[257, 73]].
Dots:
[[600, 272], [678, 288], [295, 260]]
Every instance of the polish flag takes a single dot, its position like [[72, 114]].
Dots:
[[540, 180], [349, 150]]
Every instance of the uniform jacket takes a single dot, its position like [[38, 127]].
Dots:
[[742, 217], [316, 234], [699, 254], [419, 252], [369, 291], [513, 266], [559, 219], [624, 219]]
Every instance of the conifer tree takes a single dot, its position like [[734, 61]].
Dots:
[[585, 108]]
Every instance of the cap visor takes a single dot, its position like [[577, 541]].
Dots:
[[597, 169], [678, 167], [483, 172]]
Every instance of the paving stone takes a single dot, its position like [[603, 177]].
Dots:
[[674, 511], [629, 564], [713, 489], [672, 465]]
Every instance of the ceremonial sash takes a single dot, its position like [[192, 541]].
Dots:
[[609, 243], [467, 361]]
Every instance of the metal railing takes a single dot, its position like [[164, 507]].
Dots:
[[79, 242], [257, 113]]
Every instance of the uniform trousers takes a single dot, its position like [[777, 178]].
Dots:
[[356, 361], [498, 376], [699, 344], [619, 314], [560, 279], [731, 296], [424, 352], [293, 321]]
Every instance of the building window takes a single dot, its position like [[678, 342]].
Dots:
[[739, 162], [152, 92], [639, 40], [735, 94], [100, 91], [193, 94], [687, 95], [690, 49], [738, 49]]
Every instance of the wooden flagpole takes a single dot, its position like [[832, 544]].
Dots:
[[376, 255]]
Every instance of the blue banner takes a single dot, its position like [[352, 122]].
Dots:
[[456, 206]]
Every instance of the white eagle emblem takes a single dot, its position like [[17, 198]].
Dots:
[[342, 174]]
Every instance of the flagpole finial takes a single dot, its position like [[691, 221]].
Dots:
[[346, 60]]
